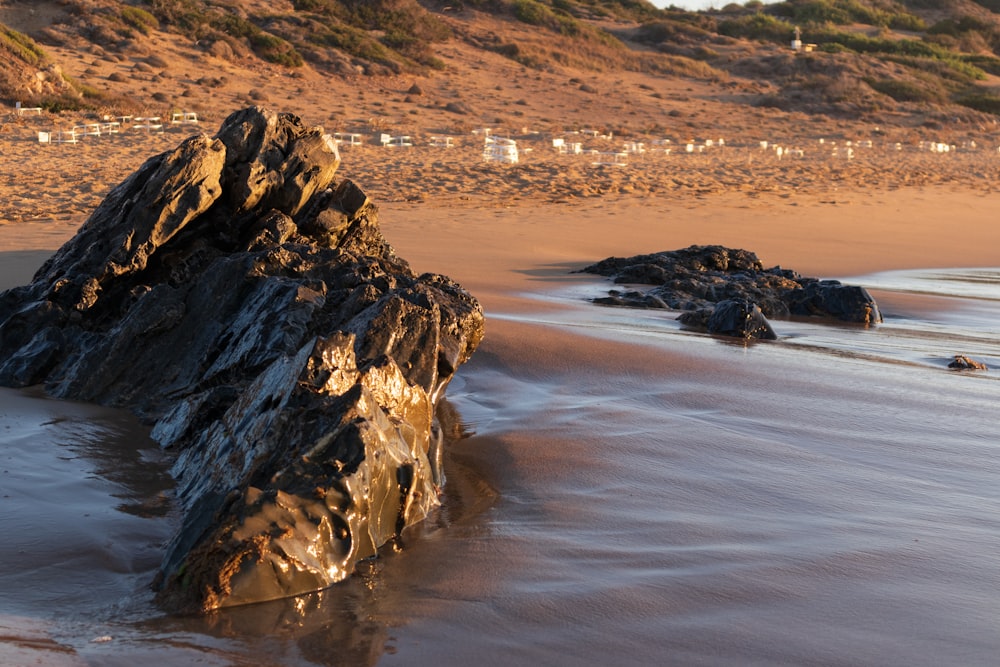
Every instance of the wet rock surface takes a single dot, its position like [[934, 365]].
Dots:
[[244, 303], [729, 292]]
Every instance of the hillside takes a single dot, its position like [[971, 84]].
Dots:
[[624, 66]]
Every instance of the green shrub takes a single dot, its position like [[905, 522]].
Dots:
[[906, 21], [911, 52], [234, 25], [758, 26], [327, 7], [89, 92], [400, 17], [834, 47], [905, 91], [139, 19], [656, 32], [275, 49], [188, 16], [985, 102], [412, 48], [843, 12], [510, 50], [353, 41], [22, 46], [535, 13], [814, 12], [990, 64]]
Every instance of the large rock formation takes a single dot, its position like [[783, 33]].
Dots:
[[235, 296], [728, 291]]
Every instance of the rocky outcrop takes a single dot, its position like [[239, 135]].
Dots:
[[235, 296], [728, 291]]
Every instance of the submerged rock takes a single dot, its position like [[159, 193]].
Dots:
[[739, 318], [235, 296], [964, 363], [718, 288]]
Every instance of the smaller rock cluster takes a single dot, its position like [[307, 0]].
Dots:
[[728, 291]]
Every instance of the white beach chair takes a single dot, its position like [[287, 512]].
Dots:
[[21, 110], [87, 130], [500, 149], [348, 138], [611, 160], [184, 118], [401, 141], [65, 137], [662, 145], [148, 123], [635, 147], [44, 137]]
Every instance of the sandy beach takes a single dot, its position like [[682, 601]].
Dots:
[[589, 483], [620, 490], [892, 204]]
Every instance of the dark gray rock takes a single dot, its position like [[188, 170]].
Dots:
[[246, 305], [738, 318], [830, 298], [697, 278]]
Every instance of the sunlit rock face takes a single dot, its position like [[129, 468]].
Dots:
[[236, 296]]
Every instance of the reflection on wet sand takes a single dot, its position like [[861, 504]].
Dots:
[[351, 623], [86, 510]]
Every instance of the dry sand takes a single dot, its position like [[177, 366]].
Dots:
[[494, 226]]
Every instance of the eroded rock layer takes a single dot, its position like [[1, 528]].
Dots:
[[243, 302]]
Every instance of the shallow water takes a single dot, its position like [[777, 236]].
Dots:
[[628, 493]]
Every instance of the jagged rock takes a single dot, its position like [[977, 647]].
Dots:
[[235, 296], [826, 298], [733, 317], [962, 362], [698, 279]]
